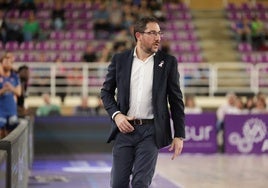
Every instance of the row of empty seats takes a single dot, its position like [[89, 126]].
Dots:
[[255, 57], [184, 45]]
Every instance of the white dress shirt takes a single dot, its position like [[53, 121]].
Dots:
[[141, 85]]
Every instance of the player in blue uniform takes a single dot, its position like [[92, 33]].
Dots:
[[9, 90]]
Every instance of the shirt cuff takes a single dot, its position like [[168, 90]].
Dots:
[[114, 114]]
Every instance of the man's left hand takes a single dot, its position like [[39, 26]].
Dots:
[[176, 145]]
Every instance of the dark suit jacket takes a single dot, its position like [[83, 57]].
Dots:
[[165, 91]]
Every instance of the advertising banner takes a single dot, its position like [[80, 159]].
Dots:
[[246, 134], [200, 133]]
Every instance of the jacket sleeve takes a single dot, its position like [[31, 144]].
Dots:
[[108, 89], [176, 100]]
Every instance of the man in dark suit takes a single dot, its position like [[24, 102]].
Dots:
[[146, 80]]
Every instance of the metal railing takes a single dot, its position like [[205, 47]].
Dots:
[[195, 78]]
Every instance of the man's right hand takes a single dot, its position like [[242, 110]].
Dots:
[[122, 123]]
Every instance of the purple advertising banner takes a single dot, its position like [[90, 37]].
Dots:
[[200, 133], [246, 134]]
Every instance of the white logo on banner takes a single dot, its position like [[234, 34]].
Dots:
[[254, 131], [198, 133]]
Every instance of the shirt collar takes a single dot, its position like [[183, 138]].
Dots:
[[135, 53]]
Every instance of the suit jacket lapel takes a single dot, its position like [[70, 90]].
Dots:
[[158, 70], [128, 76]]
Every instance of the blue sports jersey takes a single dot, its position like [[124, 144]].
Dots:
[[8, 105]]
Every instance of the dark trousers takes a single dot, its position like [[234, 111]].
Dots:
[[134, 154]]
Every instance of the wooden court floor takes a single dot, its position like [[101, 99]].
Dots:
[[215, 171]]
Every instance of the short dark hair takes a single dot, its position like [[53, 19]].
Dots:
[[140, 25], [23, 67]]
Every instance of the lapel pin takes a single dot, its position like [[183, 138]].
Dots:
[[161, 64]]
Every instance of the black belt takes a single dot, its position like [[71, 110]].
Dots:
[[135, 122]]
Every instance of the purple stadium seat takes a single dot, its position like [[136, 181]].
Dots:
[[73, 25], [51, 56], [72, 57], [56, 45], [89, 36], [249, 58], [263, 16], [233, 16], [86, 25], [27, 57], [25, 14], [176, 48], [180, 58], [263, 58], [244, 47], [69, 6], [231, 7], [72, 15], [44, 5], [11, 46], [260, 7], [177, 7], [195, 58], [86, 5], [45, 25], [42, 46], [245, 7], [43, 14], [191, 47], [170, 26], [57, 35], [82, 35], [190, 36], [27, 45], [188, 26], [86, 15], [13, 13]]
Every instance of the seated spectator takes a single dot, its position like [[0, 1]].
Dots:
[[250, 104], [7, 4], [261, 95], [90, 54], [225, 108], [106, 53], [31, 29], [190, 105], [260, 106], [57, 16], [242, 30], [239, 107], [27, 5], [75, 81], [165, 46], [158, 10], [10, 89], [24, 74], [14, 31], [83, 109], [3, 27], [48, 109], [116, 20], [61, 81], [258, 33], [101, 26], [119, 46]]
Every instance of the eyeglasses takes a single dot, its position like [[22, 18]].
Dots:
[[153, 33]]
